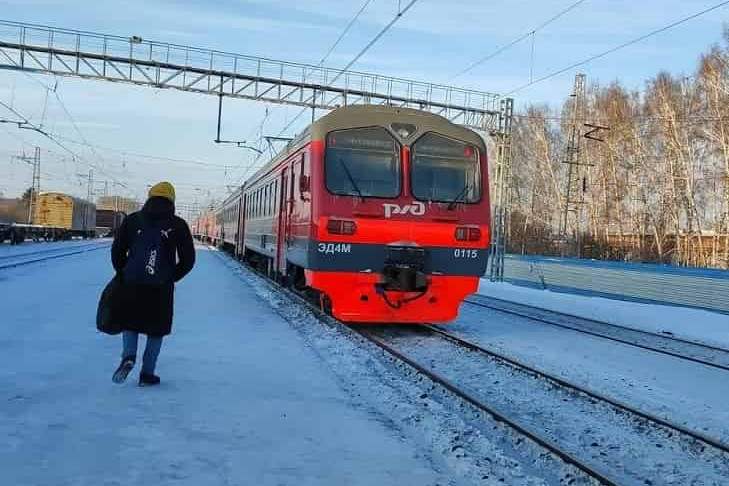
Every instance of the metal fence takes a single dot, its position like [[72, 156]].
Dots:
[[661, 284]]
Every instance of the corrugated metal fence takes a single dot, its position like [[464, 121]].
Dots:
[[701, 288]]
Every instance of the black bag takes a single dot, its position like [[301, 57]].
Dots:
[[150, 252], [108, 305]]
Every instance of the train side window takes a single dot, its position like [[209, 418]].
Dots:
[[272, 204], [268, 198], [275, 196], [303, 177]]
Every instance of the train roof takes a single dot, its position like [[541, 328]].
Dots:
[[75, 199], [359, 116]]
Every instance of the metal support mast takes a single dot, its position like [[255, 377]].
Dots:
[[35, 186], [502, 175], [574, 195], [89, 192]]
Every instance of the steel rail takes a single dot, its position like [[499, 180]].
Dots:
[[50, 257], [697, 436], [627, 342], [496, 415], [43, 251]]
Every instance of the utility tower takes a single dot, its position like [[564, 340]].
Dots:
[[35, 186], [502, 176], [574, 195], [89, 192]]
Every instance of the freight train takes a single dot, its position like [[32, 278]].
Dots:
[[56, 217], [66, 214], [108, 221], [381, 212]]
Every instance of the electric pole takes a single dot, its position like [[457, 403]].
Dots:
[[576, 184], [577, 167], [89, 192], [35, 186]]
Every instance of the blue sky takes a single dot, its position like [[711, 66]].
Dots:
[[432, 42]]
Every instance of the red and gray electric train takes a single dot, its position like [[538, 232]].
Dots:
[[382, 211]]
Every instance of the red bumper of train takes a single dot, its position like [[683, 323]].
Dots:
[[355, 297]]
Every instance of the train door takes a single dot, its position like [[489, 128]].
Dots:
[[284, 218], [240, 224]]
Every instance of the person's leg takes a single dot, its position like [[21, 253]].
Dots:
[[129, 356], [151, 352], [129, 344]]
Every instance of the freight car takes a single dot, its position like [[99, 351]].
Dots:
[[108, 221], [5, 231], [381, 212], [205, 227], [74, 216]]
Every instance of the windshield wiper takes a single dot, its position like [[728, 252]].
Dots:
[[351, 179], [453, 203]]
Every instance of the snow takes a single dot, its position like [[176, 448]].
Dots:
[[687, 323], [685, 393], [243, 400], [631, 450], [256, 390]]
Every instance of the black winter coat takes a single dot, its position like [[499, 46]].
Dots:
[[148, 309]]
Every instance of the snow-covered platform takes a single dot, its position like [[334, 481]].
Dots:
[[243, 400]]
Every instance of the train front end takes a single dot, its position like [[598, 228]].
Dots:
[[401, 221]]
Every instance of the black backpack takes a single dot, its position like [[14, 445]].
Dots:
[[151, 258]]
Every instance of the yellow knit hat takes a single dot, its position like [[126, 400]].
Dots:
[[163, 189]]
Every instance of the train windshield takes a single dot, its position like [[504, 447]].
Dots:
[[445, 170], [363, 162]]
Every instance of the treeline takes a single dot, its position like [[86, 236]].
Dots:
[[656, 188]]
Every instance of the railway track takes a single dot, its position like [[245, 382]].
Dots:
[[27, 258], [668, 438], [693, 351], [548, 426]]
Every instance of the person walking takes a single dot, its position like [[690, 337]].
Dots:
[[152, 250]]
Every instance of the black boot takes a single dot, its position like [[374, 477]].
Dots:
[[148, 380], [126, 365]]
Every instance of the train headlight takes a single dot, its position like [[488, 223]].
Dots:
[[403, 130], [341, 227], [465, 233]]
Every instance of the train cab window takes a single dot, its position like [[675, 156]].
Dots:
[[362, 162], [445, 170]]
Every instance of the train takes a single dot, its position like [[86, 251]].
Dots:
[[108, 221], [56, 216], [204, 227], [380, 213], [68, 215]]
